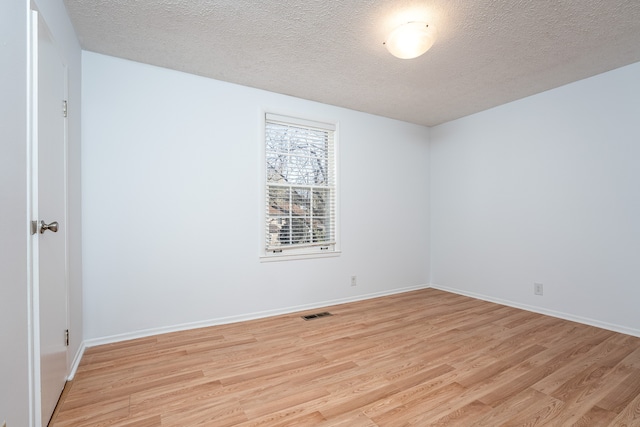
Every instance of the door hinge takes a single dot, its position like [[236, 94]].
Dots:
[[66, 338], [64, 108]]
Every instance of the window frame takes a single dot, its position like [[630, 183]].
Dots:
[[304, 252]]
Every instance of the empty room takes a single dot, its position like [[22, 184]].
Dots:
[[305, 213]]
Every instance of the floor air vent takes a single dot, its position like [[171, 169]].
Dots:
[[316, 316]]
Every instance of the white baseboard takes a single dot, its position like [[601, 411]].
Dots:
[[541, 310], [234, 319], [287, 310], [76, 361]]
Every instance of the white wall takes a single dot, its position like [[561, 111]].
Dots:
[[172, 201], [545, 189], [14, 297]]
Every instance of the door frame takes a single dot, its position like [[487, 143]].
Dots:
[[33, 247]]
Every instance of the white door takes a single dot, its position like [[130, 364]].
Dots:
[[50, 206]]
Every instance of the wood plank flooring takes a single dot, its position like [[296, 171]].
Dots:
[[423, 358]]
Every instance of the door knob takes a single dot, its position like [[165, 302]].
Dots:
[[51, 227]]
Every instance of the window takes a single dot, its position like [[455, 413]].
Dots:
[[300, 187]]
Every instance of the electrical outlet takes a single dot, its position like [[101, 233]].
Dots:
[[537, 289], [354, 281]]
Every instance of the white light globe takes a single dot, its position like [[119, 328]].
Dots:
[[410, 40]]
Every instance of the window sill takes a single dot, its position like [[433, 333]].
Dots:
[[291, 257]]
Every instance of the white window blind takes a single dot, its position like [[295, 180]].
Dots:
[[300, 186]]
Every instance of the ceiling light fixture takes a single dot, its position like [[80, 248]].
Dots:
[[410, 40]]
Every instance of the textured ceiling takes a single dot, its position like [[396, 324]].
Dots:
[[487, 52]]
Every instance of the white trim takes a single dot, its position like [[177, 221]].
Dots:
[[242, 318], [294, 120], [76, 361], [67, 238], [560, 315], [288, 310], [303, 255], [35, 418]]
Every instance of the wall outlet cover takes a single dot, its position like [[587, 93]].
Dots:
[[538, 289]]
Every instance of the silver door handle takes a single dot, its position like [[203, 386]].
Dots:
[[51, 227]]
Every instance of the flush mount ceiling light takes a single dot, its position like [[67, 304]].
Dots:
[[410, 40]]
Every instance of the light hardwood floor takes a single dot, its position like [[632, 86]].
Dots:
[[421, 358]]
